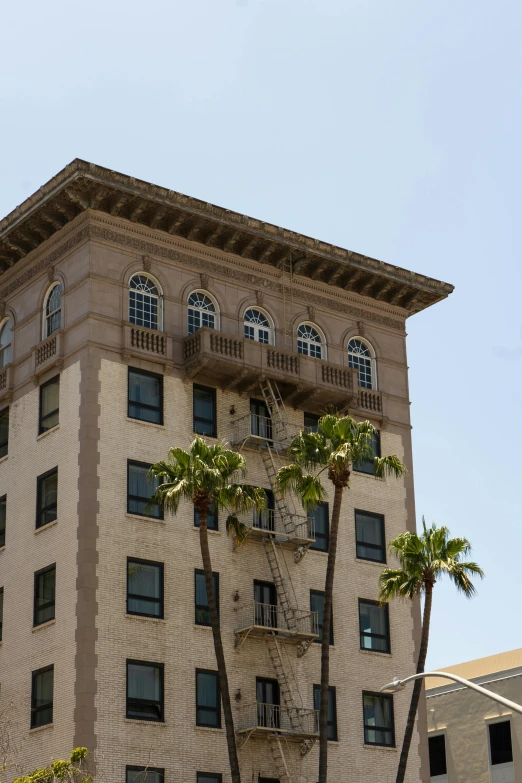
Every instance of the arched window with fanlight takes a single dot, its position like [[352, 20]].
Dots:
[[144, 302], [5, 342], [53, 310], [258, 327], [310, 341], [202, 311], [361, 357]]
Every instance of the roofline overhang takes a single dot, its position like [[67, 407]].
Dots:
[[82, 185]]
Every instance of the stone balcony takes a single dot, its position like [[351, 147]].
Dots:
[[240, 364], [48, 354]]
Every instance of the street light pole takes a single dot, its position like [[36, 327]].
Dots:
[[398, 685]]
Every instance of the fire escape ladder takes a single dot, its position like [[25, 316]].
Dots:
[[285, 505], [284, 587], [280, 761], [287, 683], [276, 408]]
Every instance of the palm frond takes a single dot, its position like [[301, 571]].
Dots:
[[237, 530]]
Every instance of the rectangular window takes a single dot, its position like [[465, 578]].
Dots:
[[265, 518], [208, 699], [145, 691], [42, 697], [374, 626], [210, 777], [202, 616], [212, 519], [318, 520], [366, 465], [44, 595], [265, 604], [332, 710], [500, 742], [204, 400], [145, 400], [49, 405], [47, 498], [1, 611], [3, 510], [437, 751], [260, 421], [317, 605], [311, 422], [140, 489], [379, 726], [144, 775], [369, 536], [268, 700], [4, 432], [144, 588]]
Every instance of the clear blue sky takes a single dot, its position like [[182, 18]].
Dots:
[[390, 128]]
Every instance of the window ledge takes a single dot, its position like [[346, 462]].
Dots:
[[2, 548], [145, 722], [3, 459], [370, 562], [45, 527], [43, 625], [381, 747], [47, 432], [145, 519], [375, 652], [147, 423], [41, 728], [207, 628], [160, 620], [211, 532], [209, 728]]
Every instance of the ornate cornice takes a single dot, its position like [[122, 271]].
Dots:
[[84, 186]]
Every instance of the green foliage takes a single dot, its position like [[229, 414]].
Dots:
[[425, 558], [61, 770]]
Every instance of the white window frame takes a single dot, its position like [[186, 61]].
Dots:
[[45, 330], [201, 310], [324, 346], [270, 328], [373, 362], [9, 345], [159, 297]]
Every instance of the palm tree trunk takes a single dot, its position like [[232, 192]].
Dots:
[[218, 647], [417, 687], [325, 642]]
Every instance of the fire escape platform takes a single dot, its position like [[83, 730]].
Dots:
[[286, 635], [294, 541]]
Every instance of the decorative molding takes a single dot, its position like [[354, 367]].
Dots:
[[147, 263], [50, 274], [260, 297], [361, 328], [204, 280], [311, 312], [2, 308]]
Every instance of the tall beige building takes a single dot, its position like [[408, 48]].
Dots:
[[131, 318]]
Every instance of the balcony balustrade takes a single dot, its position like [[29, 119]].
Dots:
[[258, 620], [48, 353], [148, 343], [264, 719], [298, 531]]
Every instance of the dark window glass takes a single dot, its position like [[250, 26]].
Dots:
[[311, 422], [500, 742], [208, 699], [320, 527], [49, 404], [268, 780], [210, 777], [145, 691], [145, 396], [268, 702], [3, 510], [437, 750], [378, 719], [4, 432], [265, 519], [205, 411], [42, 697], [46, 498], [332, 711], [366, 465], [260, 421], [265, 604], [369, 536], [374, 626], [1, 611], [144, 588], [212, 519], [317, 605], [140, 489], [144, 775], [44, 595], [202, 616]]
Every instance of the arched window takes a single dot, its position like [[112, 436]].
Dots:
[[144, 302], [53, 310], [258, 327], [202, 311], [310, 342], [362, 358], [5, 342]]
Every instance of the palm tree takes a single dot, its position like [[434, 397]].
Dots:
[[339, 442], [424, 559], [207, 476]]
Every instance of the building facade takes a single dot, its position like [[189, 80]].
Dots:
[[473, 739], [133, 317]]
